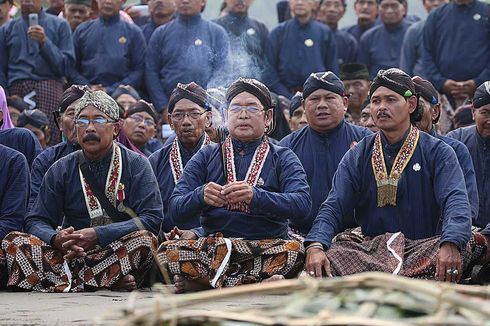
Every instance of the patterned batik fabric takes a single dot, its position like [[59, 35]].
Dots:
[[229, 262], [33, 265], [352, 253]]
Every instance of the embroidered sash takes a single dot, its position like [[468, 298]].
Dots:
[[253, 172], [176, 159], [113, 190], [387, 185]]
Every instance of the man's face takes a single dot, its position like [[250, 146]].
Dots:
[[324, 110], [189, 7], [300, 8], [432, 4], [332, 11], [244, 123], [125, 100], [41, 136], [298, 119], [367, 120], [96, 138], [67, 123], [140, 128], [358, 90], [391, 12], [390, 110], [366, 10], [189, 121], [162, 8], [30, 6], [76, 14], [14, 115], [238, 6], [482, 120], [429, 114], [4, 12], [109, 8], [56, 4]]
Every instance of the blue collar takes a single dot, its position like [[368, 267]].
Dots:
[[189, 20], [245, 148]]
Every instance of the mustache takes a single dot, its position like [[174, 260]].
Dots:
[[383, 114], [91, 137]]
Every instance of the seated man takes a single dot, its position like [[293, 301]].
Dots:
[[140, 125], [409, 197], [37, 122], [188, 114], [78, 240], [246, 189]]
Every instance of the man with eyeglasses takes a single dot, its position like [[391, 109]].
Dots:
[[321, 145], [477, 139], [92, 225], [140, 125], [189, 113], [246, 189], [366, 12]]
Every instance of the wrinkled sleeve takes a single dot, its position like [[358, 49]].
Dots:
[[271, 75], [38, 170], [152, 71], [75, 72], [331, 55], [429, 53], [60, 56], [409, 52]]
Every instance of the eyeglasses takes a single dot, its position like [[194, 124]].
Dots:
[[251, 109], [181, 115], [84, 122], [138, 120]]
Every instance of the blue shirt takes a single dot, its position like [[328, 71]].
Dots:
[[295, 51], [14, 190], [380, 48], [412, 47], [320, 155], [248, 40], [357, 30], [22, 58], [431, 196], [346, 47], [479, 148], [457, 43], [160, 162], [283, 196], [110, 52], [22, 140], [184, 50], [61, 195]]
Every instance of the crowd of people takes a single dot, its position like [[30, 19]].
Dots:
[[226, 154]]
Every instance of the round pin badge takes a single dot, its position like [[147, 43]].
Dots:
[[309, 42], [198, 42], [477, 17], [122, 40], [250, 31], [416, 167]]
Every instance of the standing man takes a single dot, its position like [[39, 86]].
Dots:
[[297, 48], [77, 239], [248, 40], [366, 12], [35, 59], [380, 47], [321, 145], [457, 52], [109, 51], [161, 12], [77, 12], [355, 77], [187, 49]]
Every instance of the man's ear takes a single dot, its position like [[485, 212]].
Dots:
[[117, 129], [436, 112], [412, 102]]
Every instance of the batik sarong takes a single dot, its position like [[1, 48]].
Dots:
[[229, 262], [34, 265]]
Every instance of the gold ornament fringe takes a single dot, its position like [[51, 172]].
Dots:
[[387, 192]]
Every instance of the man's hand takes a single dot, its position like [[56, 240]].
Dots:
[[177, 233], [78, 247], [469, 87], [317, 263], [213, 196], [37, 34], [238, 191], [448, 261]]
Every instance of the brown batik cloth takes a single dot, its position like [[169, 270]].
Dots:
[[248, 261], [34, 265], [48, 96], [352, 253]]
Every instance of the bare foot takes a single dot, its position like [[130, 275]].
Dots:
[[273, 278], [182, 284], [127, 283]]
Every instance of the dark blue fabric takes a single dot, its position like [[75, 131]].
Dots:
[[456, 45], [283, 196], [320, 154], [182, 51], [480, 154], [346, 47], [431, 200], [291, 61], [160, 162], [14, 190], [248, 40], [110, 52], [22, 140], [357, 30], [22, 58], [43, 162], [61, 195], [380, 48], [148, 30], [411, 54], [151, 147]]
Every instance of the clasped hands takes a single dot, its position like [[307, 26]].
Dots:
[[231, 193], [74, 244]]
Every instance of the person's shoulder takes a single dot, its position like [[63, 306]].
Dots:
[[63, 163], [10, 155], [158, 156], [457, 145], [416, 27], [282, 26], [294, 137], [372, 32], [51, 151], [21, 133], [346, 35], [433, 146], [358, 131], [462, 134]]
